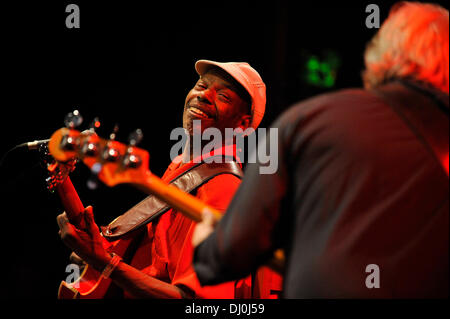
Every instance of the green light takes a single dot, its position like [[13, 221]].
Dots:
[[321, 72], [314, 78], [328, 81], [313, 63]]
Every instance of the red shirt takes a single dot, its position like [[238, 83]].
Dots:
[[166, 251]]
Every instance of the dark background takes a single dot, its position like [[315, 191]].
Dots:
[[133, 64]]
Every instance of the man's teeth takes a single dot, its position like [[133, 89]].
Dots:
[[200, 112]]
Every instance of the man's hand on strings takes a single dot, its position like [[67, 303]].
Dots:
[[86, 243]]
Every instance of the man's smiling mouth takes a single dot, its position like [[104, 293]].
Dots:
[[198, 112]]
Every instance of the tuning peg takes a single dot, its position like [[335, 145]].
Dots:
[[70, 142], [135, 137], [113, 135], [73, 119], [90, 149], [110, 154], [132, 160]]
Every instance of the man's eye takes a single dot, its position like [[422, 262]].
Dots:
[[224, 96], [201, 85]]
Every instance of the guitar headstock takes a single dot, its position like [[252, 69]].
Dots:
[[56, 171], [111, 161]]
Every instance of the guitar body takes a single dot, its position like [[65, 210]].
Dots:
[[91, 285]]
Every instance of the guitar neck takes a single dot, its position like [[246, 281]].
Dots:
[[187, 204], [71, 202], [193, 208]]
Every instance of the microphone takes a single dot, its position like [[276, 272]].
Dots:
[[28, 145], [33, 145]]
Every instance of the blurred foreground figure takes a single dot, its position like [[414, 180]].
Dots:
[[360, 202]]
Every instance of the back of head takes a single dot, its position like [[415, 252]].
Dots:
[[411, 44]]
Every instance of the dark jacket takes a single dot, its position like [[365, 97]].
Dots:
[[358, 193]]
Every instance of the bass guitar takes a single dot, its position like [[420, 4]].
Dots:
[[117, 163]]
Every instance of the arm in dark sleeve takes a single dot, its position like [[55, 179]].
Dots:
[[246, 236]]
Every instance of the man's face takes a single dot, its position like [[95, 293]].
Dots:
[[218, 101]]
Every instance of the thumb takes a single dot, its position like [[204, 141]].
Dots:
[[89, 219], [208, 217]]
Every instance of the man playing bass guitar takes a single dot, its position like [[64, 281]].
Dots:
[[227, 95]]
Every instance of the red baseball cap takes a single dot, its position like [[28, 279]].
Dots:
[[248, 78]]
